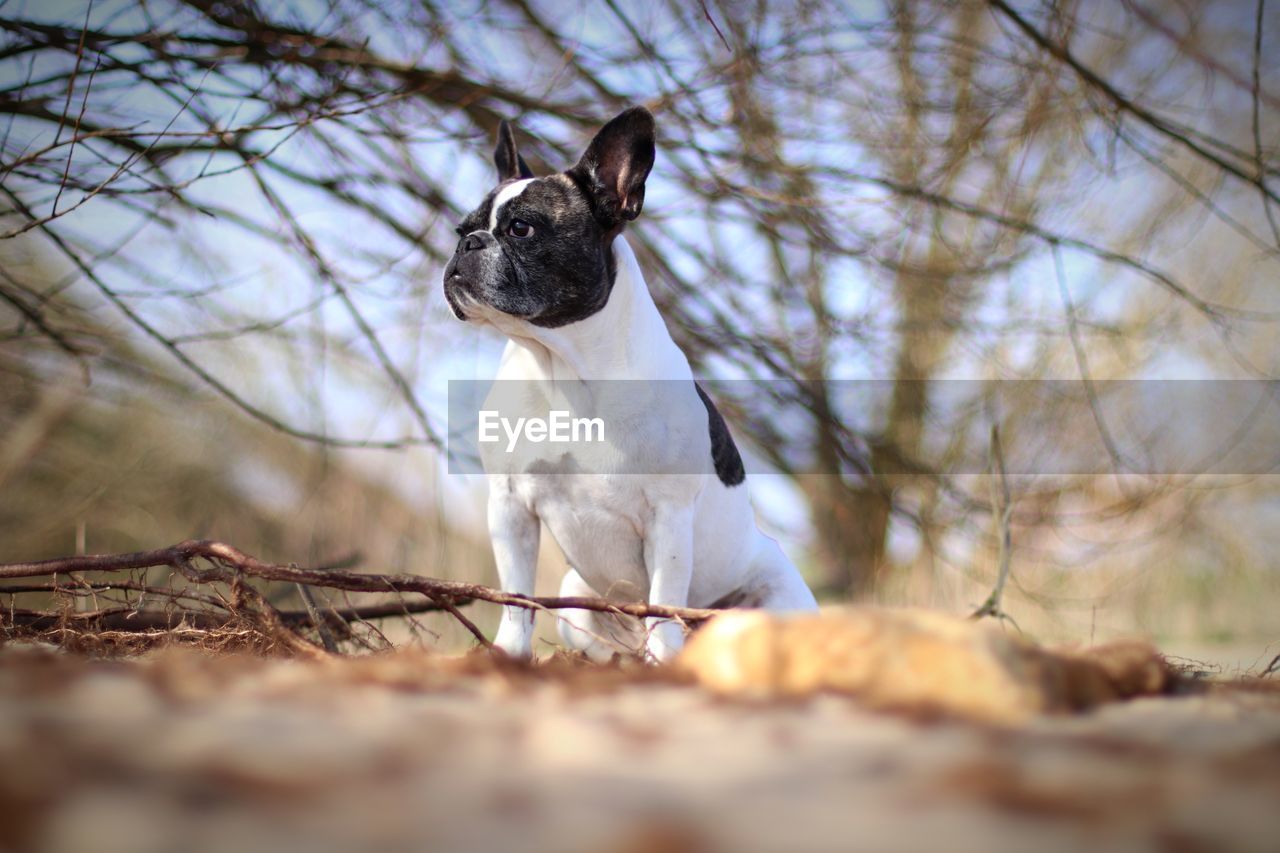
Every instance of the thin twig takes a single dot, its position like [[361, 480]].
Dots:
[[1002, 511], [66, 108], [706, 13], [1257, 121], [317, 621], [466, 623]]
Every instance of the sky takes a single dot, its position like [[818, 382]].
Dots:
[[430, 346]]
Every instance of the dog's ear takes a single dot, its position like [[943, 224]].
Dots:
[[615, 166], [508, 160]]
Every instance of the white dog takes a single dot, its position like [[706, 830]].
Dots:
[[660, 511]]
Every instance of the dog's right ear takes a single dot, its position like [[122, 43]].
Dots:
[[508, 160]]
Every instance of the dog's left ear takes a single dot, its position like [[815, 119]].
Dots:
[[616, 164], [508, 160]]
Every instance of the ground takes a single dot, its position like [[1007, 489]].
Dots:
[[181, 750]]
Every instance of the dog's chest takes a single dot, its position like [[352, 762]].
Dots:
[[599, 521], [598, 498]]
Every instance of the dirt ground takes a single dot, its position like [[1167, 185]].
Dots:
[[183, 751]]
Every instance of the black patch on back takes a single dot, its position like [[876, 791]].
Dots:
[[737, 598], [724, 453]]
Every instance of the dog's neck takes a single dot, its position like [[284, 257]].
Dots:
[[626, 339]]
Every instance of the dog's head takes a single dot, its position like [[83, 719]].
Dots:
[[540, 249]]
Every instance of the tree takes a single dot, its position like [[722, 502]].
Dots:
[[915, 192]]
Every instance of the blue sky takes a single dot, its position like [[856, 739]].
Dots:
[[432, 348]]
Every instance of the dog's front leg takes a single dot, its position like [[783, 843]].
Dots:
[[669, 560], [514, 530]]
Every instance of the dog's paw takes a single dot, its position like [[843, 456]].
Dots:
[[515, 635], [666, 639]]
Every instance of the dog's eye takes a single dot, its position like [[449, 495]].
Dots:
[[519, 228]]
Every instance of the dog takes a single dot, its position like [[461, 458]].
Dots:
[[543, 260]]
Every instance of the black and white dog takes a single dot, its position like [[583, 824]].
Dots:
[[543, 261]]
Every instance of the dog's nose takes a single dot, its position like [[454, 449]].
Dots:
[[475, 241]]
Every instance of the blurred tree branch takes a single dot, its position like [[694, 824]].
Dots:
[[263, 194]]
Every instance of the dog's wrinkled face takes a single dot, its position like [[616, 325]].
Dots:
[[539, 249], [533, 251]]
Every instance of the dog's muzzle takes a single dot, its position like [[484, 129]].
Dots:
[[463, 273]]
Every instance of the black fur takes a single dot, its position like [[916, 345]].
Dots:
[[508, 160], [613, 170], [564, 271], [724, 453]]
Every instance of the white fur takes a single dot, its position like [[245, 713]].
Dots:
[[674, 539], [505, 195]]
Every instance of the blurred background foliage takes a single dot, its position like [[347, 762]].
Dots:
[[224, 225]]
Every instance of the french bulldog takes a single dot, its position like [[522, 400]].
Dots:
[[543, 261]]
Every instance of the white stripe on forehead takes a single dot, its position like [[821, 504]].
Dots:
[[504, 196]]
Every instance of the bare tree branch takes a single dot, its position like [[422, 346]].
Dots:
[[228, 564]]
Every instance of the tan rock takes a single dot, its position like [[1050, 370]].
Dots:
[[913, 660]]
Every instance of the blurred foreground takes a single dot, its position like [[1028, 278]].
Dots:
[[407, 750]]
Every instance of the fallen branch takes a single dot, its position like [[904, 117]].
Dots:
[[223, 563], [142, 620]]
